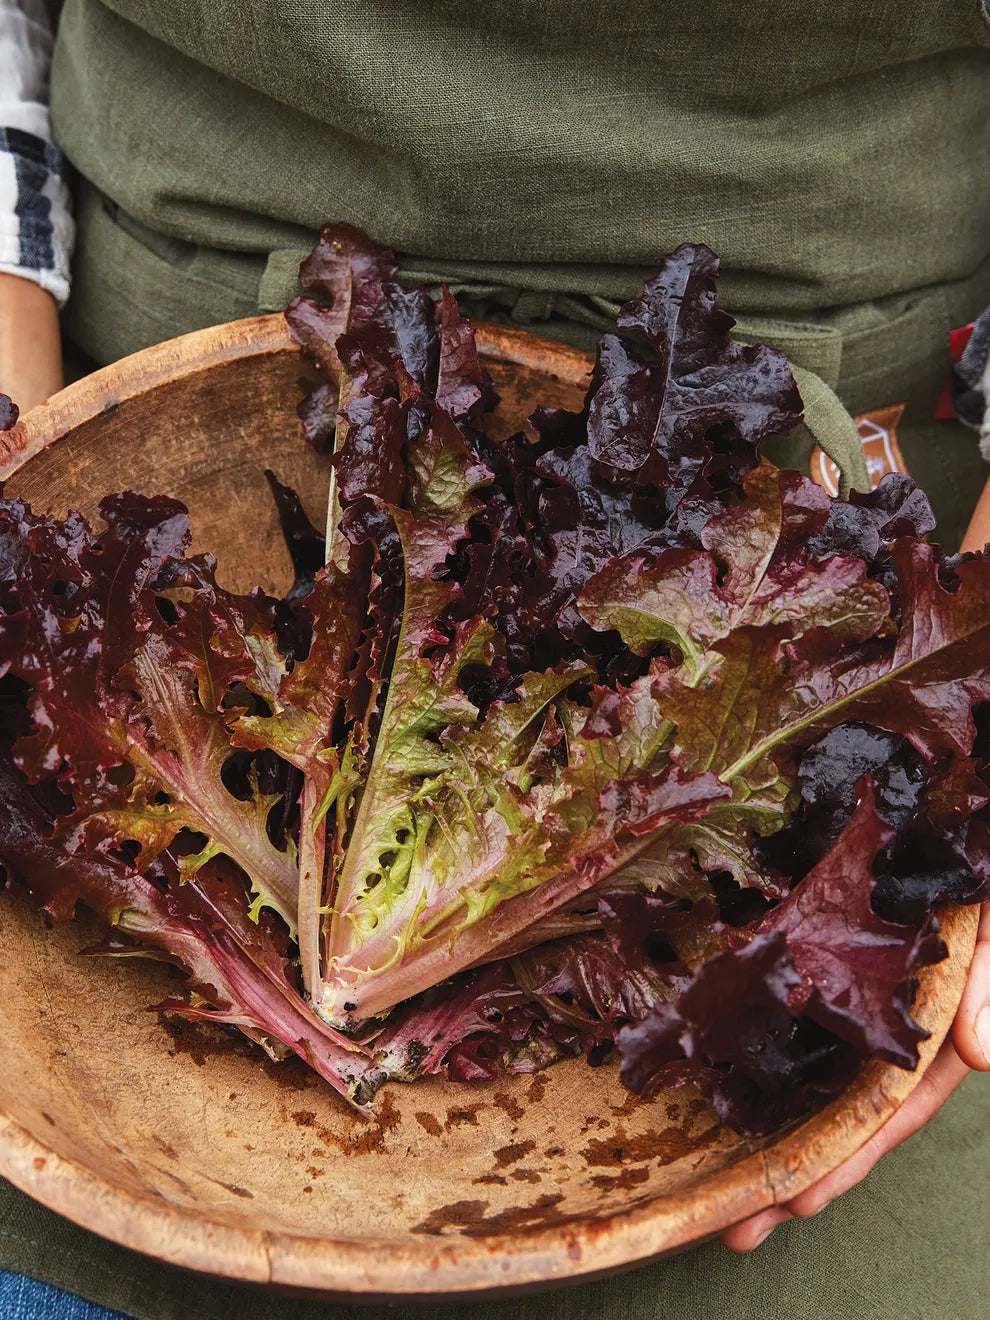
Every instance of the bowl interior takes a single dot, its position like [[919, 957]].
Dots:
[[187, 1143]]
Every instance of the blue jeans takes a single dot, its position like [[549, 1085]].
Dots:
[[24, 1299]]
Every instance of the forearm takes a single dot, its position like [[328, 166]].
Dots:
[[30, 347], [35, 221]]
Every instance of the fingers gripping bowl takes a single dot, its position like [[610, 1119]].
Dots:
[[261, 1174]]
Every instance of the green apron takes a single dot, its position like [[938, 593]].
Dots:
[[539, 156]]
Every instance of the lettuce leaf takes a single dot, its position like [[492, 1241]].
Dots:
[[734, 1034], [126, 707], [821, 957], [856, 968]]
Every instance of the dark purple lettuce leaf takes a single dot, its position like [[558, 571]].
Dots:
[[772, 1029], [675, 411], [75, 607], [352, 272], [828, 773], [864, 525], [378, 324], [126, 697], [928, 864], [935, 854], [672, 391], [584, 981], [857, 969], [735, 1034], [373, 427], [306, 546], [707, 1023], [461, 381], [472, 1029], [766, 700], [409, 324], [754, 570], [646, 930], [9, 413]]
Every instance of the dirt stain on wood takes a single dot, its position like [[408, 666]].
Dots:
[[537, 1089], [513, 1153], [203, 1040], [367, 1136], [469, 1217], [664, 1145], [458, 1214], [463, 1114], [622, 1181], [238, 1191], [510, 1105], [165, 1147], [630, 1103]]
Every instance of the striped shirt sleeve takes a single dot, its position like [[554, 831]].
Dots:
[[36, 229]]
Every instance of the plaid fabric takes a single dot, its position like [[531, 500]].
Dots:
[[30, 176], [36, 230], [971, 383]]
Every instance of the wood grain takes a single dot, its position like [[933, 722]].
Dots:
[[189, 1146]]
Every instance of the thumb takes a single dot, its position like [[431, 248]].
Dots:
[[971, 1029]]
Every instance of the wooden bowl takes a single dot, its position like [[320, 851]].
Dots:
[[189, 1147]]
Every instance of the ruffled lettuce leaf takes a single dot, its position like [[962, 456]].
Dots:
[[821, 957], [856, 968], [126, 705], [734, 1034]]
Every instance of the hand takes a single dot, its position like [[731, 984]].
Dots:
[[30, 345], [968, 1047]]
